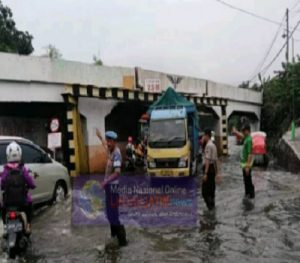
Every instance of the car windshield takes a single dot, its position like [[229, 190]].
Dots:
[[167, 133]]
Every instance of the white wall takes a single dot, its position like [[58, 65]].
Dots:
[[33, 68], [95, 111], [218, 125], [187, 85], [239, 106], [198, 86], [30, 92]]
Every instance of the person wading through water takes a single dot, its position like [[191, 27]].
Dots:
[[211, 170], [246, 160], [110, 183]]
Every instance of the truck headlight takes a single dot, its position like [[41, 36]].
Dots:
[[183, 162], [151, 164]]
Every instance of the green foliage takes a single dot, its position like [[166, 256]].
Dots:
[[52, 52], [97, 61], [280, 94], [246, 85], [11, 39]]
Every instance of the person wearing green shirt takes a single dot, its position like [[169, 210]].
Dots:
[[246, 160]]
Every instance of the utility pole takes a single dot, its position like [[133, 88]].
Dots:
[[287, 36], [293, 50], [292, 109]]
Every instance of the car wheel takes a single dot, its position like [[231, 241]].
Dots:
[[59, 194]]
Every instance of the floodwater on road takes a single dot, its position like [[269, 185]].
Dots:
[[269, 231]]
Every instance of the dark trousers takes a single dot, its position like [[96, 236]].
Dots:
[[209, 188], [112, 213], [249, 187]]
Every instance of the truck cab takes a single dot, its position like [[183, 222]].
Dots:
[[168, 143]]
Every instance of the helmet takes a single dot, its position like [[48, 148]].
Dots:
[[129, 139], [13, 152]]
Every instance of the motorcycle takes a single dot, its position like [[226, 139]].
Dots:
[[141, 152], [130, 160], [17, 240]]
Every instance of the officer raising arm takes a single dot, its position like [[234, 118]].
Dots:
[[111, 181]]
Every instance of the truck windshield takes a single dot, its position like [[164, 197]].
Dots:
[[167, 133]]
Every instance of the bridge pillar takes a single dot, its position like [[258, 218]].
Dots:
[[76, 149], [224, 130]]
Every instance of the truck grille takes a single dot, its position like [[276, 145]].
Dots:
[[167, 163]]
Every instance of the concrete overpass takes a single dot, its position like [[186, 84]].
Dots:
[[85, 96]]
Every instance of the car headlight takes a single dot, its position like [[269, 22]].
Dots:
[[151, 164], [183, 162]]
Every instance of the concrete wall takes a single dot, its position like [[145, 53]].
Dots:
[[32, 68], [187, 85], [95, 111], [243, 107], [234, 106], [198, 87], [41, 69], [30, 91], [288, 152]]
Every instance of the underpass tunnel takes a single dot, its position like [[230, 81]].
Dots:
[[124, 119], [32, 121], [239, 118], [122, 111], [121, 117], [209, 119]]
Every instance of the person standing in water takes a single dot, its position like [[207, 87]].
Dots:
[[111, 181], [246, 160], [211, 169]]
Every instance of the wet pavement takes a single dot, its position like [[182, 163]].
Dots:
[[267, 231]]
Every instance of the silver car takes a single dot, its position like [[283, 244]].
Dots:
[[51, 178]]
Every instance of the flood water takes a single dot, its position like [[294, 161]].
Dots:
[[268, 231]]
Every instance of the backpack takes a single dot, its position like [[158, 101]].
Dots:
[[15, 189]]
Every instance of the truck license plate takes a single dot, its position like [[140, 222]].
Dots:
[[167, 173]]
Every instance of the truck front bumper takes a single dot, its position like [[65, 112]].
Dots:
[[174, 172]]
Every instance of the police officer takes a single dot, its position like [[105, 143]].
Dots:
[[210, 170], [111, 183]]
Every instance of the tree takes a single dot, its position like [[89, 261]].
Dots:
[[278, 102], [11, 39], [97, 61], [244, 85], [52, 52]]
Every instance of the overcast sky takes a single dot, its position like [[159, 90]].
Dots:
[[200, 38]]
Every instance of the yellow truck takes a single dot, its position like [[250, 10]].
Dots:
[[172, 148]]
